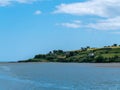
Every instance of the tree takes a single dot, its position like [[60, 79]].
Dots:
[[99, 59], [88, 47], [58, 51], [114, 45], [40, 56]]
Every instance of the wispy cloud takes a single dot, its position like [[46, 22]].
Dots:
[[37, 12], [107, 9], [102, 8], [26, 1], [107, 24], [74, 24], [70, 25], [8, 2], [4, 2]]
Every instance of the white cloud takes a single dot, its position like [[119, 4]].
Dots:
[[8, 2], [107, 9], [108, 24], [4, 2], [37, 12], [77, 21], [25, 1], [75, 24], [102, 8], [70, 25]]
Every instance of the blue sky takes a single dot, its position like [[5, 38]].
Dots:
[[30, 27]]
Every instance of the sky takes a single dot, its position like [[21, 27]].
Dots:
[[30, 27]]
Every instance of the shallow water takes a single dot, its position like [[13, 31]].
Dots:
[[58, 76]]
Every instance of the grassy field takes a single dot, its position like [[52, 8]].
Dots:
[[91, 55]]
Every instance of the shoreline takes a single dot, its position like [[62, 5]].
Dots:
[[91, 64], [66, 62]]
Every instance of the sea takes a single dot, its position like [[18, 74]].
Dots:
[[59, 76]]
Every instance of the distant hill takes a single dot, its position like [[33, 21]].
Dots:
[[91, 55]]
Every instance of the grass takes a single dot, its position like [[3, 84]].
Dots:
[[106, 54]]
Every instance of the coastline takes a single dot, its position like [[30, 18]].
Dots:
[[112, 65]]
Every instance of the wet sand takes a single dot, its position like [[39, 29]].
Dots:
[[112, 65], [116, 65]]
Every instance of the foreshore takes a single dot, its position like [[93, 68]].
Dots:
[[92, 64], [106, 65]]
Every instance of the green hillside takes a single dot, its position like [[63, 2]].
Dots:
[[87, 54]]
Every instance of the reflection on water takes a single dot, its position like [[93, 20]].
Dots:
[[58, 76]]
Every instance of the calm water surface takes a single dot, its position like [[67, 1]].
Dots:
[[58, 76]]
